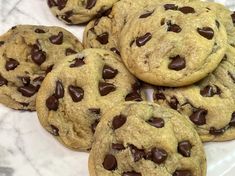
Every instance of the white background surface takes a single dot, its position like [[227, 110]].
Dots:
[[28, 150]]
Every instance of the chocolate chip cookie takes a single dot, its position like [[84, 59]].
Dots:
[[209, 104], [173, 45], [144, 139], [27, 54], [79, 11], [75, 95]]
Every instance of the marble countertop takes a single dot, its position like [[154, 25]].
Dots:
[[26, 149]]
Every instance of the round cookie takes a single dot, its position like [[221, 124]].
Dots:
[[144, 139], [75, 95], [173, 45], [209, 104], [79, 11], [27, 54]]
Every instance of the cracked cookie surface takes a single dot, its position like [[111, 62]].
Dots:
[[144, 139], [79, 11], [27, 54], [209, 104], [173, 45], [75, 95]]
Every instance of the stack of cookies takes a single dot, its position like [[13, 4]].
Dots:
[[92, 96]]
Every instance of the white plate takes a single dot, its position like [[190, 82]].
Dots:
[[28, 150]]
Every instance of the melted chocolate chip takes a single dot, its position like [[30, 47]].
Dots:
[[206, 32], [95, 110], [184, 148], [59, 90], [131, 173], [90, 4], [61, 4], [40, 31], [137, 154], [233, 17], [109, 72], [232, 122], [118, 147], [146, 14], [187, 10], [67, 15], [115, 50], [133, 96], [199, 117], [106, 88], [51, 3], [49, 69], [158, 155], [142, 40], [52, 103], [25, 80], [11, 64], [27, 91], [78, 62], [209, 91], [37, 82], [118, 121], [37, 55], [156, 122], [182, 173], [216, 132], [1, 43], [94, 125], [76, 93], [70, 51], [174, 103], [110, 162], [170, 7], [57, 39], [160, 96], [103, 38], [178, 63], [173, 28], [54, 130], [3, 81]]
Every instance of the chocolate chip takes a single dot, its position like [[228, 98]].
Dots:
[[170, 7], [173, 28], [199, 117], [137, 154], [184, 148], [160, 96], [174, 103], [49, 69], [3, 81], [156, 122], [118, 147], [27, 91], [209, 91], [178, 63], [54, 130], [76, 93], [233, 17], [95, 110], [13, 27], [109, 72], [70, 51], [59, 90], [110, 162], [51, 3], [52, 103], [142, 40], [106, 88], [67, 15], [158, 155], [231, 76], [37, 55], [182, 173], [103, 38], [78, 62], [118, 121], [25, 80], [94, 125], [186, 10], [232, 122], [206, 32], [133, 96], [57, 39], [216, 132], [11, 64], [131, 173], [90, 4], [1, 43], [115, 50], [38, 81], [146, 14], [61, 4], [40, 31], [217, 24]]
